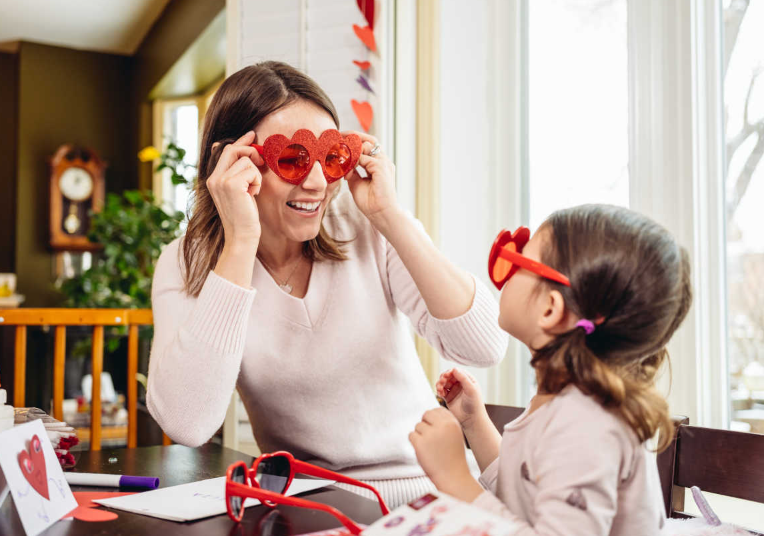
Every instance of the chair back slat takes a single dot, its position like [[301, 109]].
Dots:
[[721, 461], [140, 317], [65, 317], [98, 318], [59, 365], [19, 382], [95, 393], [673, 498], [132, 387]]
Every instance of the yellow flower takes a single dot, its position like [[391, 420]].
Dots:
[[148, 154]]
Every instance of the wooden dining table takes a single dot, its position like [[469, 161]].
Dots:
[[176, 464]]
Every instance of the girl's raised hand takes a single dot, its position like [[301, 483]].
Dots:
[[462, 394]]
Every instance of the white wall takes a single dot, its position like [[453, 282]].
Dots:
[[317, 37]]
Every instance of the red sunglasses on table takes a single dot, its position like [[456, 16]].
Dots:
[[269, 479], [293, 159], [506, 259]]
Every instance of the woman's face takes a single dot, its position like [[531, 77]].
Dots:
[[286, 210]]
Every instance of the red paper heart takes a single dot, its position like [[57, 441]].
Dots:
[[367, 8], [364, 112], [363, 65], [88, 510], [92, 515], [366, 35], [32, 463]]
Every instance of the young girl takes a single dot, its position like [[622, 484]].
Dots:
[[596, 295]]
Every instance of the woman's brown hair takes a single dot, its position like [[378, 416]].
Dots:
[[239, 105], [630, 277]]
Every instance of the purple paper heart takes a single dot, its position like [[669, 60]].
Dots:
[[364, 83]]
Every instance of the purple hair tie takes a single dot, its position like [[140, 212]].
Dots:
[[588, 326]]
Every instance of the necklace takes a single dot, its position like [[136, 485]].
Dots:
[[285, 286]]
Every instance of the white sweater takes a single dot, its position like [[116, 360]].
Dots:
[[333, 377]]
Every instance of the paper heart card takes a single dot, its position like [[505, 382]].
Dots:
[[34, 477]]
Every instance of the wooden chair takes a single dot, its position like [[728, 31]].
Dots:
[[501, 415], [98, 318], [717, 461]]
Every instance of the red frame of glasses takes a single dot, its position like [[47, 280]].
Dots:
[[317, 149], [518, 239], [270, 498]]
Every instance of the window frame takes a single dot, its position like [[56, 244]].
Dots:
[[677, 131], [160, 109], [675, 82]]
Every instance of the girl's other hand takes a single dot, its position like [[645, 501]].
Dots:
[[439, 446], [462, 394]]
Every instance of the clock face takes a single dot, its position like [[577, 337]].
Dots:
[[76, 184]]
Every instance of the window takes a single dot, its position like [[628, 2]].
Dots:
[[744, 135], [180, 121], [180, 125], [578, 105]]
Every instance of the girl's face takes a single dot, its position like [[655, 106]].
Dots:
[[286, 210], [524, 304]]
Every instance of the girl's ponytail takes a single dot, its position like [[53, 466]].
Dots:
[[629, 393]]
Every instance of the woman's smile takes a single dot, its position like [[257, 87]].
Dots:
[[307, 208]]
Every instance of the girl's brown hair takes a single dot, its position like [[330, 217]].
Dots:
[[629, 276], [241, 102]]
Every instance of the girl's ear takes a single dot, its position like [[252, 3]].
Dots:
[[555, 317]]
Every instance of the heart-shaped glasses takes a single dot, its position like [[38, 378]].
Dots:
[[506, 259], [293, 159], [269, 479]]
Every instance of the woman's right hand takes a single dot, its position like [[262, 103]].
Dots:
[[462, 394], [233, 184]]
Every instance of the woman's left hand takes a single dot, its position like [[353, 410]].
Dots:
[[375, 194], [439, 446]]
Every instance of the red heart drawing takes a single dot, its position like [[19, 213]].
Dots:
[[366, 35], [367, 8], [363, 65], [32, 463], [364, 112]]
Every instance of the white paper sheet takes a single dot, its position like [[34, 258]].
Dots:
[[197, 500]]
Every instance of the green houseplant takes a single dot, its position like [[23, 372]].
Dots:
[[132, 228]]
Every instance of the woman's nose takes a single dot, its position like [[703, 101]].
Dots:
[[315, 179]]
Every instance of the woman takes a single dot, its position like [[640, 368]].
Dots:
[[294, 294]]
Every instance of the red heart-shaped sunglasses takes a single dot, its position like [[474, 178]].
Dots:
[[292, 159], [269, 479], [506, 259]]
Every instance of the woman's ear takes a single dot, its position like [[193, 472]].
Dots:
[[554, 318]]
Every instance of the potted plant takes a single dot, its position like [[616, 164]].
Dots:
[[133, 228]]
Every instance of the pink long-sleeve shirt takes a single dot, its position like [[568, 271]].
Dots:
[[333, 377], [574, 468]]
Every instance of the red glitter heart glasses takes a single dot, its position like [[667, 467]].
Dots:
[[506, 259], [269, 479], [293, 159]]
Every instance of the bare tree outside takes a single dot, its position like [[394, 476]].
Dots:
[[744, 127]]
